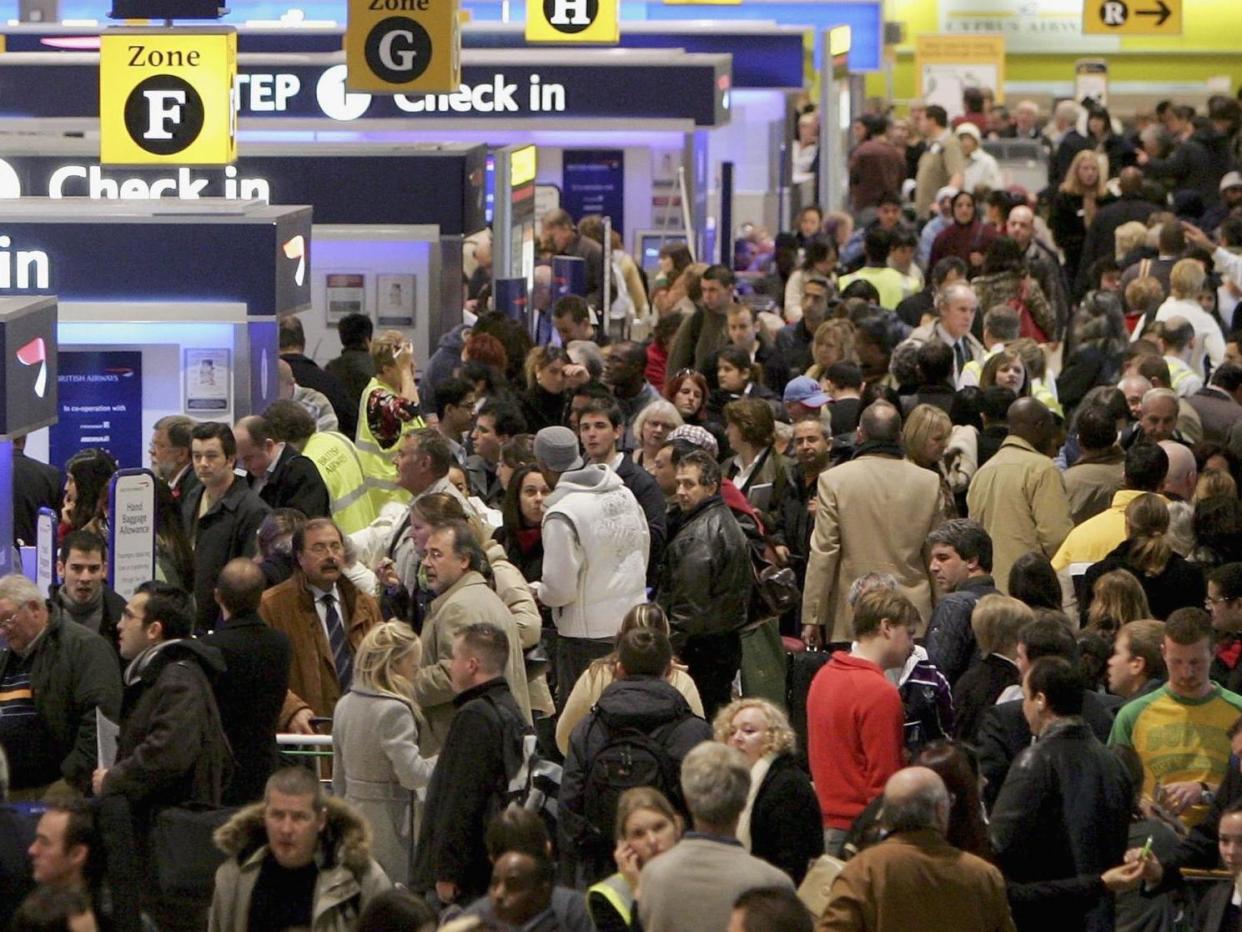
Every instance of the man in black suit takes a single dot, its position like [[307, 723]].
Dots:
[[1004, 731], [251, 691], [281, 476], [170, 454], [35, 485], [292, 345]]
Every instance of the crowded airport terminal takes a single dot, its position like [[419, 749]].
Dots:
[[600, 466]]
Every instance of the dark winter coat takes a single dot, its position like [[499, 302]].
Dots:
[[226, 531], [646, 704], [463, 791], [250, 695], [786, 827], [172, 748], [73, 672]]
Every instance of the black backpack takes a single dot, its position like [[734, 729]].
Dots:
[[630, 758]]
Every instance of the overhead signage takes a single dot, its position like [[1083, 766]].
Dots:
[[100, 405], [167, 96], [28, 364], [403, 45], [432, 187], [528, 89], [596, 22], [764, 55], [1132, 17], [267, 267]]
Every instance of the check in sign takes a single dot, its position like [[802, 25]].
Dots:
[[577, 21], [166, 96], [397, 46]]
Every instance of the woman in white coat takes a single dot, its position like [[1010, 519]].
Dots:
[[376, 762]]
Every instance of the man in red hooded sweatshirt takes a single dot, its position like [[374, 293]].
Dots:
[[855, 716]]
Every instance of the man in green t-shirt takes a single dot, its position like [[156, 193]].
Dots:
[[1180, 730]]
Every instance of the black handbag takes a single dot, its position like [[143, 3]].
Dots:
[[182, 850]]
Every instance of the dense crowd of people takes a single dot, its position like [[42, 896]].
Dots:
[[892, 580]]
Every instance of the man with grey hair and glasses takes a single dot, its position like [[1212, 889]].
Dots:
[[54, 674]]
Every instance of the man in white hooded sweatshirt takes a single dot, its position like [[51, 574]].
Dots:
[[595, 548]]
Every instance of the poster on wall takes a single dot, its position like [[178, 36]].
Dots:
[[593, 182], [944, 66], [100, 401], [394, 300], [346, 293], [207, 381]]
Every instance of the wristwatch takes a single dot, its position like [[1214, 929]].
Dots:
[[1206, 794]]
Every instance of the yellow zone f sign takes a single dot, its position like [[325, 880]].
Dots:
[[578, 21], [1132, 17], [401, 46], [166, 96]]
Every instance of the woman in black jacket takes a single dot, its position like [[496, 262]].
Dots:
[[781, 823], [1168, 580], [543, 402]]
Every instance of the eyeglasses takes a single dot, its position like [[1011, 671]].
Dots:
[[321, 548], [1209, 601]]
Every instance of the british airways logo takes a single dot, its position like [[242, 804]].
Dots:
[[34, 353]]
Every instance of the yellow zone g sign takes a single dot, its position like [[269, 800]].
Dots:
[[166, 96], [577, 21], [1132, 17], [399, 46]]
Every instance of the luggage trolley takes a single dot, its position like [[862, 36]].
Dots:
[[312, 751]]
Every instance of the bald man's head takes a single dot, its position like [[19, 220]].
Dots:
[[1020, 226], [915, 799], [1179, 482], [240, 587], [1032, 422], [1130, 181], [880, 422]]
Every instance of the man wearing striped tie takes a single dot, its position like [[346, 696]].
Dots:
[[325, 618]]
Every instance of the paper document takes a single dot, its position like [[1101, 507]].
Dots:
[[106, 734]]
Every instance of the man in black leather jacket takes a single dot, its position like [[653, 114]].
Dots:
[[1064, 810], [706, 582]]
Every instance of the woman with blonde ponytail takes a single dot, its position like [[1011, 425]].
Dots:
[[1168, 580], [376, 761]]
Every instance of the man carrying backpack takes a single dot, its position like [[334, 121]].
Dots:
[[637, 735]]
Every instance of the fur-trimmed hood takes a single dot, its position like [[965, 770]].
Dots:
[[346, 839]]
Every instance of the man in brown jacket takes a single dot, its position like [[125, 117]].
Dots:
[[873, 514], [915, 879], [325, 619], [1018, 495]]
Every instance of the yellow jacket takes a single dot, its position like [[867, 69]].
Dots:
[[1096, 537]]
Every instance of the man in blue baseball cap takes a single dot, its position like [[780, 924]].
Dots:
[[804, 398]]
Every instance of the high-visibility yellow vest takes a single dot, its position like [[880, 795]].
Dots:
[[378, 469], [617, 892], [1179, 372], [341, 469]]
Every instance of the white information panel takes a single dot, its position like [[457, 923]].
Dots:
[[131, 529]]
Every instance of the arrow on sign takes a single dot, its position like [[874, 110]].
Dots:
[[1163, 13]]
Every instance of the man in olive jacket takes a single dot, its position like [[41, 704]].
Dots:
[[67, 672], [705, 586]]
